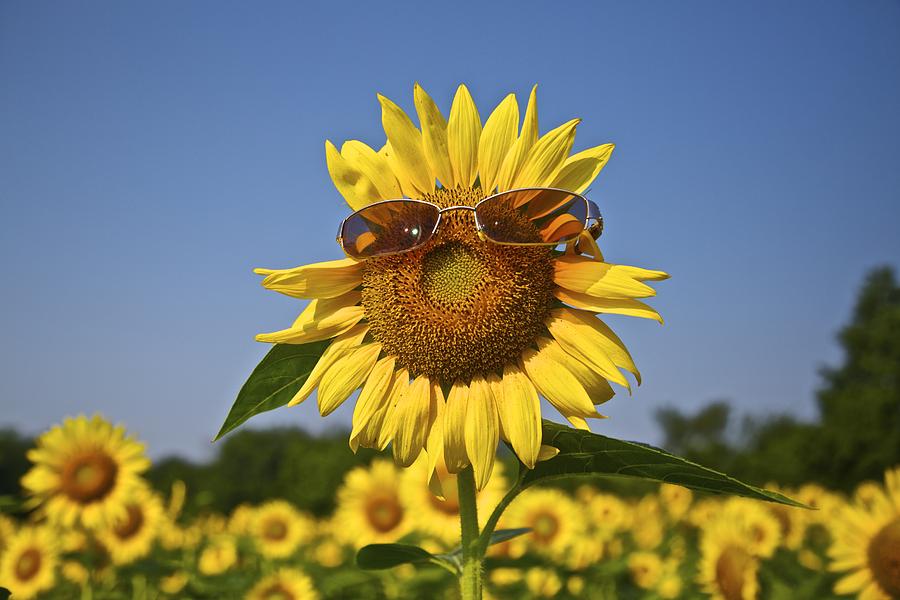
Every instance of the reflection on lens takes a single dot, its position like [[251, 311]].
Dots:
[[532, 216], [387, 227]]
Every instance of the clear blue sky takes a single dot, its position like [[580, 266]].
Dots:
[[152, 154]]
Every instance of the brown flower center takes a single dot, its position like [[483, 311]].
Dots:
[[884, 558], [384, 513], [544, 527], [89, 477], [28, 565], [458, 306], [132, 523], [731, 572], [275, 529]]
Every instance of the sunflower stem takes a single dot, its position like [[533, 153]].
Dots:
[[485, 539], [470, 582]]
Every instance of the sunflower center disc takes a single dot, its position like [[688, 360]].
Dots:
[[28, 565], [275, 529], [132, 523], [731, 572], [884, 558], [89, 477], [458, 306], [384, 513]]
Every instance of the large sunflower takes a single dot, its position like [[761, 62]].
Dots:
[[84, 471], [867, 544], [28, 565], [453, 341]]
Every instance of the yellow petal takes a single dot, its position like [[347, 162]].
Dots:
[[374, 394], [374, 166], [514, 159], [547, 156], [519, 409], [482, 430], [345, 375], [434, 137], [406, 146], [455, 455], [463, 133], [578, 422], [434, 445], [600, 334], [413, 417], [545, 367], [604, 280], [318, 280], [581, 341], [320, 320], [354, 185], [596, 386], [500, 132], [338, 348], [547, 452], [616, 306], [379, 431], [580, 170]]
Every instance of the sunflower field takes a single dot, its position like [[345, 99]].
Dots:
[[97, 529]]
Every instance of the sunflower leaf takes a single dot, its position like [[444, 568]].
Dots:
[[274, 381], [582, 453], [386, 556], [502, 535]]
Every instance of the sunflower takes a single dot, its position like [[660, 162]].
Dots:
[[131, 537], [434, 507], [278, 529], [369, 508], [728, 568], [867, 544], [84, 472], [219, 555], [453, 341], [7, 530], [646, 568], [28, 565], [284, 584], [676, 500], [551, 516]]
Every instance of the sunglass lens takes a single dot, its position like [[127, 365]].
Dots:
[[532, 216], [388, 227]]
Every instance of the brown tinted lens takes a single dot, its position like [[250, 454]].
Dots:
[[388, 227], [534, 216]]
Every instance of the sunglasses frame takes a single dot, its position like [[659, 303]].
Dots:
[[593, 221]]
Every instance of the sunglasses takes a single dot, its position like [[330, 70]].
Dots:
[[523, 217]]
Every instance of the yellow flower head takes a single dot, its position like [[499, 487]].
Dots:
[[84, 472], [369, 508], [284, 584], [728, 568], [7, 530], [452, 342], [219, 555], [867, 543], [28, 565], [554, 519], [676, 500], [646, 568], [132, 536], [278, 529], [542, 583]]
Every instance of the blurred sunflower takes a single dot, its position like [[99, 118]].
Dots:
[[284, 584], [84, 471], [646, 568], [727, 568], [132, 536], [763, 532], [676, 500], [7, 530], [28, 565], [278, 529], [434, 508], [490, 325], [369, 509], [554, 520], [867, 544], [219, 555]]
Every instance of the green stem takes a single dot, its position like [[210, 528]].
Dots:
[[470, 582], [485, 539]]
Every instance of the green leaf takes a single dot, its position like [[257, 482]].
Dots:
[[586, 453], [274, 381], [501, 535], [385, 556], [4, 593]]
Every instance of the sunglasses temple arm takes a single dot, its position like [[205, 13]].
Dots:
[[595, 220]]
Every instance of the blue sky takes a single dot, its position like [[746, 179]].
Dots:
[[152, 154]]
